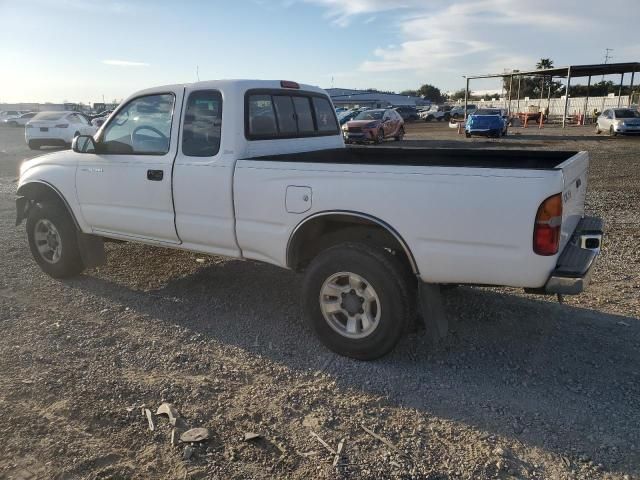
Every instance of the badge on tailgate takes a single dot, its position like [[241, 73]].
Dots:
[[298, 199]]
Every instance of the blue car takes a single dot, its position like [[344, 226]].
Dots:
[[485, 125]]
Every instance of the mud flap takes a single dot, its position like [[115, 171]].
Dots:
[[22, 204], [435, 320], [91, 250]]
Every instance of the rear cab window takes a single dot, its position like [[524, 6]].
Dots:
[[278, 114], [201, 130]]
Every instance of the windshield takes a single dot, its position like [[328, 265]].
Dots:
[[626, 113], [50, 116], [370, 115], [485, 121]]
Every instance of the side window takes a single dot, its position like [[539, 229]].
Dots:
[[286, 116], [303, 114], [325, 115], [262, 119], [143, 126], [202, 124]]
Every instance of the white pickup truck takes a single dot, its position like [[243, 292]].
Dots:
[[258, 170]]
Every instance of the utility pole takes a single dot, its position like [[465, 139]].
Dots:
[[607, 57]]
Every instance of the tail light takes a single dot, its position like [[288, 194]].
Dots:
[[289, 84], [546, 232], [62, 125]]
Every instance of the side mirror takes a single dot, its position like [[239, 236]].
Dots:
[[83, 144]]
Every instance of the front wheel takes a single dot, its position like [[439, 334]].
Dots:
[[53, 240], [598, 131], [400, 135], [379, 137], [612, 132], [358, 300]]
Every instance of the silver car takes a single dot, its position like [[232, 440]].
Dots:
[[618, 120]]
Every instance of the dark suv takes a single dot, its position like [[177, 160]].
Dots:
[[408, 113]]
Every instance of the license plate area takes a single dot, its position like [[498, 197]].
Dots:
[[44, 129]]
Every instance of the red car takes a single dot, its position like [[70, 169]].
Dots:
[[374, 126]]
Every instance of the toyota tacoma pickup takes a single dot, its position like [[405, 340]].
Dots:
[[258, 170]]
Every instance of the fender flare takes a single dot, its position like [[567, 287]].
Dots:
[[365, 216], [34, 190]]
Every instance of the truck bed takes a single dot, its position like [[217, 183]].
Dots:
[[436, 157]]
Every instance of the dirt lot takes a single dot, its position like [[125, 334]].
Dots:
[[523, 387]]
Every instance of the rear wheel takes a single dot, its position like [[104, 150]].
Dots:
[[598, 131], [467, 134], [379, 137], [358, 300], [53, 240], [400, 135], [612, 132]]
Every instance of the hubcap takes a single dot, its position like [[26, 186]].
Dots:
[[47, 240], [350, 305]]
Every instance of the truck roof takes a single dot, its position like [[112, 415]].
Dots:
[[240, 84]]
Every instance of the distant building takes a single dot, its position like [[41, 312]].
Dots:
[[344, 97]]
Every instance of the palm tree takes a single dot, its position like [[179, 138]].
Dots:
[[544, 63]]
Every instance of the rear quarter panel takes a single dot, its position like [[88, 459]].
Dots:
[[463, 225]]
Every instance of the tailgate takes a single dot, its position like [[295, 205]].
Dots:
[[574, 173]]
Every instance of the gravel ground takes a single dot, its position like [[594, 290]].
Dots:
[[522, 388]]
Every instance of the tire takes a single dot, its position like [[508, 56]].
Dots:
[[379, 137], [612, 132], [428, 118], [63, 262], [447, 117], [400, 135], [467, 134], [391, 307], [13, 124], [33, 145], [598, 131]]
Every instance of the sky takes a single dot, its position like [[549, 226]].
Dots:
[[84, 51]]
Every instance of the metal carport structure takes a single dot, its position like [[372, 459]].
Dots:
[[568, 72]]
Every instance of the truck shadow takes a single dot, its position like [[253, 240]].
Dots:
[[549, 375]]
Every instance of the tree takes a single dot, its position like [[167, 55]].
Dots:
[[410, 93], [544, 63], [457, 95], [431, 93]]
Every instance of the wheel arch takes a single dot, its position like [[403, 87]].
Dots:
[[39, 190], [318, 229]]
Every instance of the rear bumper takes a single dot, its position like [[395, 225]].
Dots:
[[573, 270]]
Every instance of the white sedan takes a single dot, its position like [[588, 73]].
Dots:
[[19, 121], [56, 129]]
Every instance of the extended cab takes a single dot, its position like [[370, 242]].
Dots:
[[258, 170]]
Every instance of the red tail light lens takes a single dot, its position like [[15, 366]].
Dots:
[[546, 232], [62, 125]]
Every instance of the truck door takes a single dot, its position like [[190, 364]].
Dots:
[[203, 174], [124, 188]]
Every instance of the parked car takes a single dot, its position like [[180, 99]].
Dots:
[[438, 113], [98, 119], [458, 111], [484, 125], [266, 176], [618, 120], [56, 129], [344, 117], [9, 114], [374, 126], [19, 121], [408, 113], [497, 112]]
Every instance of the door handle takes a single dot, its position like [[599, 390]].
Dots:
[[155, 175]]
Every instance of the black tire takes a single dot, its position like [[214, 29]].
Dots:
[[447, 117], [467, 134], [33, 145], [69, 263], [428, 118], [379, 137], [400, 135], [385, 274], [612, 132], [13, 124]]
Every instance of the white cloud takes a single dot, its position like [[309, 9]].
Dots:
[[440, 40], [125, 63]]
